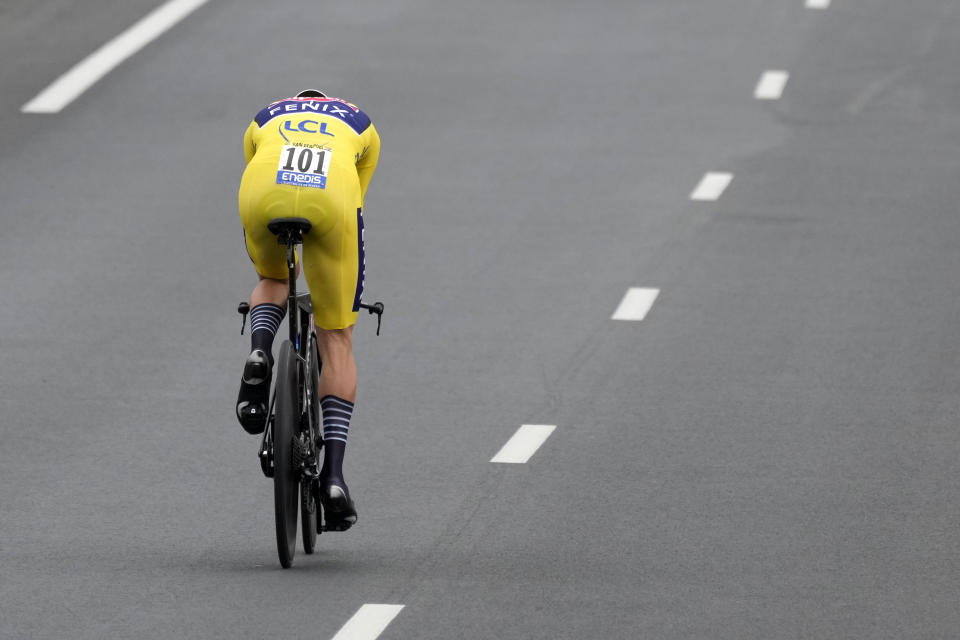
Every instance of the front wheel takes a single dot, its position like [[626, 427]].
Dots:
[[286, 479]]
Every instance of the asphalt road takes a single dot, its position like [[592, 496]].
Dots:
[[770, 453]]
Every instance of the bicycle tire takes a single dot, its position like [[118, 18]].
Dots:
[[310, 489], [286, 479]]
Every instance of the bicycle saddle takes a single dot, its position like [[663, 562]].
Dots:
[[294, 228]]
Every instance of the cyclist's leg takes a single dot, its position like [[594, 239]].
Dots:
[[268, 305], [333, 265], [270, 291], [260, 203], [333, 262], [337, 393], [339, 374]]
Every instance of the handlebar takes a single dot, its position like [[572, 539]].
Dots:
[[377, 307]]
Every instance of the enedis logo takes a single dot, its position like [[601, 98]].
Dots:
[[301, 179]]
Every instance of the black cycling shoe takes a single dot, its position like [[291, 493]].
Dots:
[[254, 392], [339, 512]]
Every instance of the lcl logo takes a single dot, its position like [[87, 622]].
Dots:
[[304, 128]]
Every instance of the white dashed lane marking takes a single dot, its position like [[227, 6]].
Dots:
[[818, 4], [88, 71], [711, 186], [771, 84], [636, 304], [524, 443], [368, 622]]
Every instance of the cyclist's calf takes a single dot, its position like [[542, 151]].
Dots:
[[271, 291], [338, 375]]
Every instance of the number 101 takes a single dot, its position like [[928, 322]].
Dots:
[[306, 158]]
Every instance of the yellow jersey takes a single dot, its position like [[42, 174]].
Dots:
[[311, 158]]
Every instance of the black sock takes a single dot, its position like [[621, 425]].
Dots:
[[336, 425], [265, 319]]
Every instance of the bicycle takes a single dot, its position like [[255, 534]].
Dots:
[[293, 436]]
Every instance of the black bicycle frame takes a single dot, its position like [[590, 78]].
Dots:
[[299, 319], [292, 307]]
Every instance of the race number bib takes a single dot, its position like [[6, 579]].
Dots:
[[304, 166]]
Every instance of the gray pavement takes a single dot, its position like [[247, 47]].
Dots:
[[771, 453]]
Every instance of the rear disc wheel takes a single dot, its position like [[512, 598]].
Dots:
[[310, 489]]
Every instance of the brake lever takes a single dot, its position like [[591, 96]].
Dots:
[[377, 308], [243, 309]]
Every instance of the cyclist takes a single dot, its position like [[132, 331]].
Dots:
[[309, 156]]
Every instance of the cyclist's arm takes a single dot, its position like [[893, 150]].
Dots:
[[367, 162], [249, 146]]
